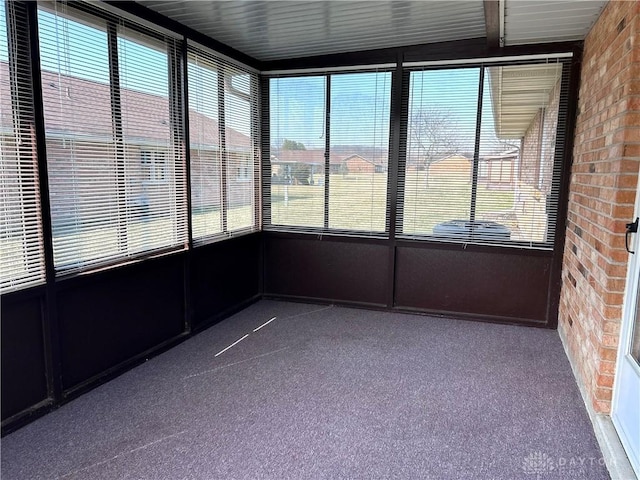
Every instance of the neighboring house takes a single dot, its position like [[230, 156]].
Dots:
[[359, 164], [499, 171], [452, 169], [283, 161], [80, 145]]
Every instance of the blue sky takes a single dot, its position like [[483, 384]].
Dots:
[[360, 112]]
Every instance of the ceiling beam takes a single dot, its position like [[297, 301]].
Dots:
[[492, 22]]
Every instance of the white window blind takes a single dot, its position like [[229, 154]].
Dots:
[[441, 131], [481, 162], [297, 108], [116, 171], [330, 172], [359, 152], [21, 250], [223, 131], [518, 142]]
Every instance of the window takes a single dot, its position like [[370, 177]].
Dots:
[[481, 161], [154, 164], [223, 126], [297, 121], [21, 249], [329, 171], [441, 130], [116, 171]]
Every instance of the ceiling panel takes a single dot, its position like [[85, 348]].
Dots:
[[271, 30], [282, 29], [529, 21]]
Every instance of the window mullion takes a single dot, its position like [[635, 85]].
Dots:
[[327, 149], [118, 137], [176, 105], [224, 155], [476, 151]]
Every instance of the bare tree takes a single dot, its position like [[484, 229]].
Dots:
[[432, 136]]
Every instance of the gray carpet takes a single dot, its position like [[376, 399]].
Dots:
[[326, 392]]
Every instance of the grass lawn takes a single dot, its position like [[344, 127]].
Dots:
[[358, 202]]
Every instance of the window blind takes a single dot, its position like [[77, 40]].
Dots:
[[297, 115], [223, 136], [484, 153], [21, 249], [116, 169], [359, 152], [441, 130], [329, 152]]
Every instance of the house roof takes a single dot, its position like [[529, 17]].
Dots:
[[76, 106], [518, 92], [316, 156]]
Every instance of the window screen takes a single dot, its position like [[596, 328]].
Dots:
[[482, 163], [116, 174], [329, 151], [21, 251], [223, 126]]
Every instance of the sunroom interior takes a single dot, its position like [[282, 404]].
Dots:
[[168, 166]]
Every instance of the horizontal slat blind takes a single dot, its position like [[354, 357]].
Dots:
[[21, 250], [116, 177], [329, 152], [441, 128], [519, 174], [297, 135], [359, 153], [205, 139], [154, 169], [488, 173], [223, 135]]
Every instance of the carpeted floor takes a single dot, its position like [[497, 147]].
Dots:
[[326, 392]]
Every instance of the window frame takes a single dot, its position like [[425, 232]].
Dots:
[[209, 59], [558, 154], [116, 27], [327, 74]]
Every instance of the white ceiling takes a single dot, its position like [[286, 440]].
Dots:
[[529, 21], [281, 29]]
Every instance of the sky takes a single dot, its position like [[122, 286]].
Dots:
[[360, 107]]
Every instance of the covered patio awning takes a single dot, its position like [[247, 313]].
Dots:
[[517, 93]]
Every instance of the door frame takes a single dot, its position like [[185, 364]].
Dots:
[[628, 367]]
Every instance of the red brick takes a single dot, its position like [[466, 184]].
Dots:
[[605, 381]]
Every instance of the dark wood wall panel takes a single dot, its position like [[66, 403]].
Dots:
[[115, 315], [224, 275], [498, 284], [23, 365], [326, 269]]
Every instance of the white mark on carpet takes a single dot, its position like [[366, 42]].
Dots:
[[121, 454], [236, 363], [232, 345], [263, 325]]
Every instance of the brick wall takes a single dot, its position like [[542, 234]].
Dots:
[[601, 198]]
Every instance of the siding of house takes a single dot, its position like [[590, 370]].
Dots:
[[602, 193], [455, 169], [358, 164]]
